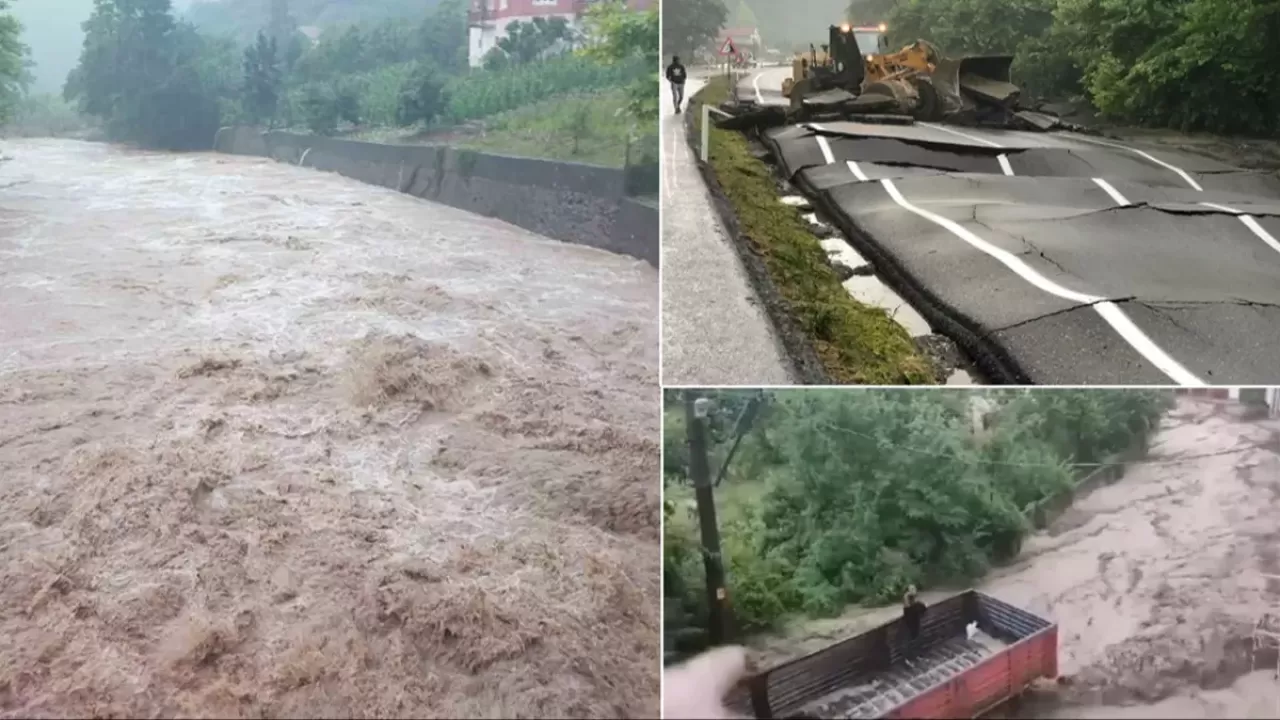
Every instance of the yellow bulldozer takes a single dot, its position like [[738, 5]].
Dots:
[[855, 71]]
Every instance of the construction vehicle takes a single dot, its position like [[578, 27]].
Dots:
[[974, 653], [854, 73]]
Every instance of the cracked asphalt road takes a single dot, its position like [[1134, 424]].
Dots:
[[1062, 258]]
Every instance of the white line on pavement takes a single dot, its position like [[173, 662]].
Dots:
[[1004, 164], [1114, 193], [857, 171], [1250, 223], [1106, 309], [953, 131], [1185, 176], [755, 84], [827, 156]]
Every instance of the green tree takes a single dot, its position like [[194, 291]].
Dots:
[[423, 97], [531, 40], [689, 25], [843, 497], [261, 80], [443, 36], [146, 77], [615, 35], [14, 57], [319, 105]]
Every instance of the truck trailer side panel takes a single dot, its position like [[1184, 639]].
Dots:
[[945, 673]]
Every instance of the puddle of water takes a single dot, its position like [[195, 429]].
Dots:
[[869, 290]]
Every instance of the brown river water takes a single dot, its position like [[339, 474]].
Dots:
[[1156, 582], [277, 443]]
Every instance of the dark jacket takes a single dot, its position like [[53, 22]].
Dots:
[[912, 614], [676, 73]]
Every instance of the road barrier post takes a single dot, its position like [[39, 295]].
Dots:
[[706, 132]]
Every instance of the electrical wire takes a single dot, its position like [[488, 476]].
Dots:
[[983, 461]]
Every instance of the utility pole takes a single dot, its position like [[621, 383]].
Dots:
[[696, 410]]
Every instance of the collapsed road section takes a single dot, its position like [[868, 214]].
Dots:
[[1053, 257]]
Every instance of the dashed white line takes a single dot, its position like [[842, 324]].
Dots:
[[1250, 223], [857, 171], [1114, 193], [1185, 176], [1106, 309], [1004, 164]]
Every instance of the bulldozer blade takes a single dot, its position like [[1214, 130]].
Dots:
[[1039, 120], [976, 80]]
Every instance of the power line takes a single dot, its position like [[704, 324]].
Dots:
[[983, 461]]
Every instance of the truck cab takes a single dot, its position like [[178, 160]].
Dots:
[[871, 39]]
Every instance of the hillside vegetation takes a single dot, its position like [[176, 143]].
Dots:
[[838, 497], [148, 78], [243, 18]]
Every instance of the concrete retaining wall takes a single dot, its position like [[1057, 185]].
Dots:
[[570, 202]]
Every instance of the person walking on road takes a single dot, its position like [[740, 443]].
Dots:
[[676, 75]]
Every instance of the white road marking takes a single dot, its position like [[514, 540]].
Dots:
[[755, 84], [953, 131], [857, 171], [1114, 193], [1250, 223], [1106, 309], [823, 145], [1185, 176], [1004, 164]]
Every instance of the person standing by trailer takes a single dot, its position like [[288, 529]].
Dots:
[[912, 618], [676, 75]]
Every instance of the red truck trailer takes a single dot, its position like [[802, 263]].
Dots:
[[953, 669]]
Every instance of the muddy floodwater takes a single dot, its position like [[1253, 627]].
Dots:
[[274, 442], [1156, 581]]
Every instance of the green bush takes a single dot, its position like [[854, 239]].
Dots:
[[845, 497], [483, 93]]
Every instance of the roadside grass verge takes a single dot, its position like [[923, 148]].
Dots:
[[857, 344]]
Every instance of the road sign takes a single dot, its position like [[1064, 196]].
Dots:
[[728, 48]]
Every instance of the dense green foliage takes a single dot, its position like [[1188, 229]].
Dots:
[[840, 497], [1185, 64], [13, 63], [262, 80], [150, 79], [489, 92], [242, 19], [45, 115], [631, 41], [689, 25]]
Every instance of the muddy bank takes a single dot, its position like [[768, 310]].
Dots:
[[278, 443], [1156, 582]]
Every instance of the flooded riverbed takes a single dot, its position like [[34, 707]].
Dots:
[[1156, 581], [276, 442]]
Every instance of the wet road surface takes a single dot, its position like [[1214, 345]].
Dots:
[[274, 442], [1056, 258], [715, 328]]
